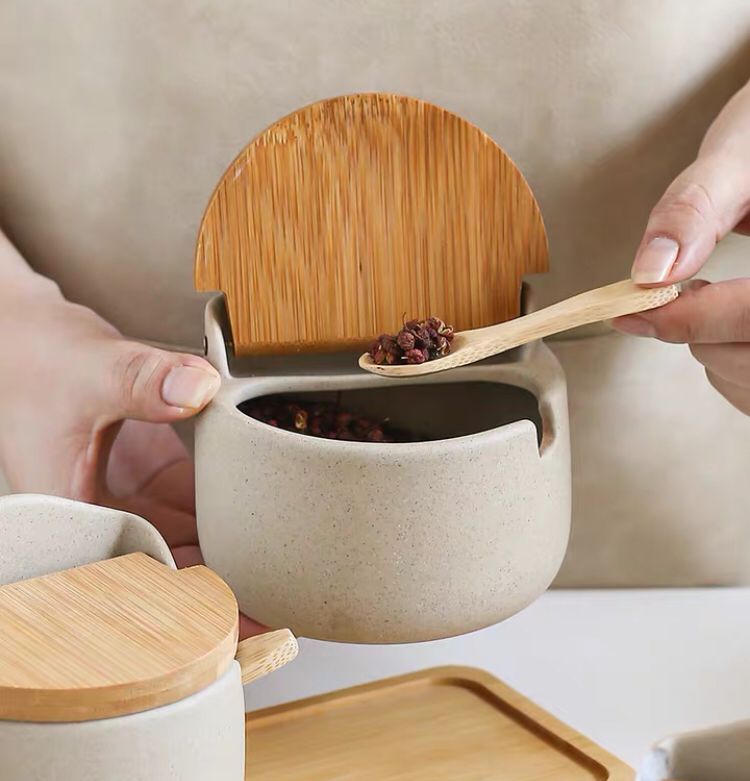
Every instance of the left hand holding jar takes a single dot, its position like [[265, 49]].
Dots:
[[86, 412]]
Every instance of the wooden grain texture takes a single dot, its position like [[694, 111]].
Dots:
[[263, 654], [594, 306], [348, 214], [443, 724], [111, 638]]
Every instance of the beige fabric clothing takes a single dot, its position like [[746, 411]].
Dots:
[[116, 120]]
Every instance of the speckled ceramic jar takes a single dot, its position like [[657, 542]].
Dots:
[[374, 542], [196, 738]]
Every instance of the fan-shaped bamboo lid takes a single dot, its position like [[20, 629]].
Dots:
[[348, 214], [112, 638]]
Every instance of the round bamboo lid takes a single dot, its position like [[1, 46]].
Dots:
[[348, 214], [115, 637]]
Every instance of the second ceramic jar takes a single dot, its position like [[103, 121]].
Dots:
[[64, 716], [384, 543]]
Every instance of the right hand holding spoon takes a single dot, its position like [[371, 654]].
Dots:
[[708, 200]]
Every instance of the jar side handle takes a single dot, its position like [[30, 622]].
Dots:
[[546, 380], [216, 347]]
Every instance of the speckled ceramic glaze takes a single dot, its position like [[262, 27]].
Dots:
[[43, 534], [197, 738], [373, 542]]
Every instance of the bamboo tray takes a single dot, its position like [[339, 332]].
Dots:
[[443, 724]]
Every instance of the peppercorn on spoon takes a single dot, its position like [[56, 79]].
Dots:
[[604, 303]]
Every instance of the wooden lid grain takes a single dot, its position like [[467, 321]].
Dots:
[[348, 214], [115, 637]]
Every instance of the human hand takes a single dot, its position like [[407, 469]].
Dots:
[[86, 413], [707, 201]]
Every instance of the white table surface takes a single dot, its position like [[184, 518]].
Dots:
[[624, 668]]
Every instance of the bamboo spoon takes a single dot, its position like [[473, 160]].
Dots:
[[604, 303]]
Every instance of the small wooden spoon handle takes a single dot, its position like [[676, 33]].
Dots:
[[265, 653], [594, 306]]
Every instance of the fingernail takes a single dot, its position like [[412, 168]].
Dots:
[[189, 386], [634, 325], [655, 261]]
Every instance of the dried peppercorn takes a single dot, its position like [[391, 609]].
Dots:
[[416, 355], [417, 341], [300, 420], [325, 419], [406, 340]]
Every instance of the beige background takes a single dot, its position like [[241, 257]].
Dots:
[[118, 118]]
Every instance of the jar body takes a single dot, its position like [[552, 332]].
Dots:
[[194, 739], [381, 543]]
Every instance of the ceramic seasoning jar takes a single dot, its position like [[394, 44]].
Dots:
[[114, 665], [331, 226], [386, 542]]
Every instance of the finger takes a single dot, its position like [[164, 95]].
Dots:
[[698, 209], [142, 383], [737, 395], [249, 628], [178, 527], [174, 485], [640, 325], [703, 314], [731, 362], [145, 383], [145, 454], [743, 227], [187, 556]]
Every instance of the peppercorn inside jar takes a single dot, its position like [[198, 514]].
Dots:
[[324, 419], [402, 413]]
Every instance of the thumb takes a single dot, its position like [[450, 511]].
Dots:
[[698, 209], [146, 383]]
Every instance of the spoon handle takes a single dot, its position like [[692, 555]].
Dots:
[[265, 653], [604, 303]]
